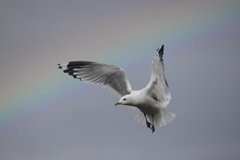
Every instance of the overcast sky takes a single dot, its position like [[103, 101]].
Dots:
[[45, 114]]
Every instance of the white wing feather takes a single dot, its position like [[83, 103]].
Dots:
[[158, 86], [108, 75]]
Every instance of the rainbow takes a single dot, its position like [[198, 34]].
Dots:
[[174, 36]]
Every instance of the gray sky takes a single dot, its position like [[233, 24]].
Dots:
[[45, 114]]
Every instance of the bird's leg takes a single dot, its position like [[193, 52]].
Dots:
[[153, 127], [148, 123]]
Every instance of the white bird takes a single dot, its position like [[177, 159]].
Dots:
[[151, 100]]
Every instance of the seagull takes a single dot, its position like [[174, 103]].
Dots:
[[151, 100]]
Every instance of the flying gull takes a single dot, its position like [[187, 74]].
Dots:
[[151, 100]]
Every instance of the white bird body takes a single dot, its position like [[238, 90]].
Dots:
[[151, 100], [141, 100], [154, 112]]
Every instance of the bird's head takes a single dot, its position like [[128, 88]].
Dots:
[[125, 100]]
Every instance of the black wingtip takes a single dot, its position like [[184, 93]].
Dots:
[[59, 66], [160, 52], [161, 49], [75, 76]]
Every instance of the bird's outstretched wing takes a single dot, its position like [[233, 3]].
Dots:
[[108, 75], [158, 86]]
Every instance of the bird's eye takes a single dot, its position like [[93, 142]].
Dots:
[[124, 99]]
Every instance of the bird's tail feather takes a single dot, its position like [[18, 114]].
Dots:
[[164, 117], [160, 119]]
